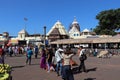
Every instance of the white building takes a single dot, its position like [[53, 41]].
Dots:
[[74, 31], [23, 35], [86, 33]]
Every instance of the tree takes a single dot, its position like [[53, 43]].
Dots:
[[109, 22]]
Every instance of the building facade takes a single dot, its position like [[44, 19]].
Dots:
[[57, 32]]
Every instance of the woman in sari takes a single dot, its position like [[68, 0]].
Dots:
[[43, 59]]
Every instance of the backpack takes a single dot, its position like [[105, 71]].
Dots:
[[83, 57]]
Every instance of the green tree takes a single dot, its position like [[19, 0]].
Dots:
[[109, 22]]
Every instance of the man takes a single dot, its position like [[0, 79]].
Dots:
[[82, 64], [29, 56], [58, 57], [36, 50]]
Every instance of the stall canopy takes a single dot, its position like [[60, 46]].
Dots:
[[12, 42]]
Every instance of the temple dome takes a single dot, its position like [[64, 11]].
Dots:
[[60, 28], [75, 21], [75, 24], [23, 31], [86, 30]]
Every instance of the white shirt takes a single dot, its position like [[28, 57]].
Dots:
[[58, 56], [81, 52]]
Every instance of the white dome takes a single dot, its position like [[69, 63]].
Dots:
[[86, 30], [22, 31]]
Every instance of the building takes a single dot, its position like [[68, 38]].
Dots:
[[75, 24], [104, 42], [22, 34], [86, 33], [57, 32], [24, 38], [74, 30], [4, 38], [75, 33]]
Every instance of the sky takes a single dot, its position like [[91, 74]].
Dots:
[[40, 13]]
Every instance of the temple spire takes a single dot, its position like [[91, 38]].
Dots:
[[74, 24], [75, 20]]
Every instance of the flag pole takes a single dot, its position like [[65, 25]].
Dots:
[[25, 19]]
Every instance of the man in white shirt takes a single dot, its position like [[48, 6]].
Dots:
[[82, 64], [58, 57]]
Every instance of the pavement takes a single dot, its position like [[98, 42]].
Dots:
[[98, 69]]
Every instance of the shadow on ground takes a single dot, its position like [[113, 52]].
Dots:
[[90, 79], [75, 70], [35, 64], [17, 66], [92, 69]]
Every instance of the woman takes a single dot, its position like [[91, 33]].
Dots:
[[67, 72], [49, 59], [43, 59]]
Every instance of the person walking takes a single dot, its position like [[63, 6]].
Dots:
[[59, 58], [36, 50], [29, 56], [10, 51], [95, 52], [82, 59], [43, 59], [67, 72], [49, 59], [2, 55]]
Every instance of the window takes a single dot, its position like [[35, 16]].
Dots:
[[77, 34], [74, 34], [21, 36]]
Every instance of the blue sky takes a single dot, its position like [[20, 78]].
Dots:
[[42, 13]]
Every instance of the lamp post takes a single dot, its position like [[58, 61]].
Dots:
[[45, 36], [25, 19]]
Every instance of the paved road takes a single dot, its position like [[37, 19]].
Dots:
[[98, 69]]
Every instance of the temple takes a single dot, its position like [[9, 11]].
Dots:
[[57, 32]]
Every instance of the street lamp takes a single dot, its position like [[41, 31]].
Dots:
[[45, 36]]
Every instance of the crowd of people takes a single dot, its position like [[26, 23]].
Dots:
[[51, 59], [17, 51], [60, 60]]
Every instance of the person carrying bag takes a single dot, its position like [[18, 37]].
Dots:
[[82, 58]]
